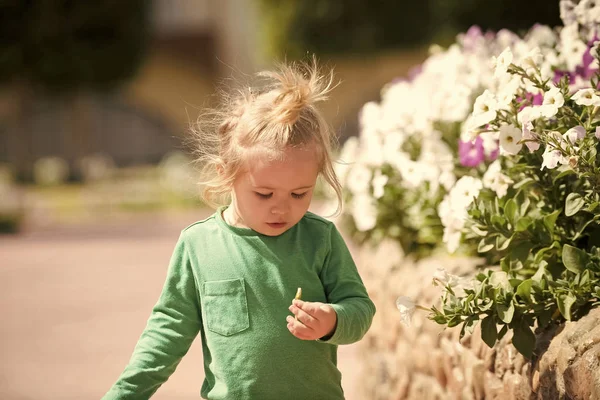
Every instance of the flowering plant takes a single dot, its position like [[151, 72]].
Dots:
[[410, 153], [537, 207]]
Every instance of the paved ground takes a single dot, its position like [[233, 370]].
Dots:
[[74, 300]]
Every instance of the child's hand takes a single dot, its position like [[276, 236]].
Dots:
[[314, 320]]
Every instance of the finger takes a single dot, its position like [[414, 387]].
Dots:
[[303, 317], [298, 329], [311, 308]]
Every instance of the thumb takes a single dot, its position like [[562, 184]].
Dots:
[[326, 308]]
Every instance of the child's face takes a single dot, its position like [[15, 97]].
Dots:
[[272, 196]]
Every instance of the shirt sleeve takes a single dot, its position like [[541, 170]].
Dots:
[[173, 324], [346, 293]]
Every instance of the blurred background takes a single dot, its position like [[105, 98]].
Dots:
[[96, 181]]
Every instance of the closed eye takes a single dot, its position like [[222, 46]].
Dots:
[[299, 195], [264, 195]]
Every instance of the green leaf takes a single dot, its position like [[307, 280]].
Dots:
[[524, 183], [510, 210], [573, 204], [484, 245], [454, 321], [550, 221], [524, 339], [498, 221], [522, 224], [591, 207], [499, 279], [524, 206], [502, 332], [524, 290], [573, 258], [489, 332], [521, 251], [562, 175], [565, 302], [502, 243], [505, 313]]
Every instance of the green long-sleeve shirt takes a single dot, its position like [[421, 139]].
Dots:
[[234, 286]]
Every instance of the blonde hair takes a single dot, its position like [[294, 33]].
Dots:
[[265, 120]]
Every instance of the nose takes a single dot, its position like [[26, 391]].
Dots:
[[280, 208]]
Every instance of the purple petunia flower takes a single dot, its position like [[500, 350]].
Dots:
[[471, 154]]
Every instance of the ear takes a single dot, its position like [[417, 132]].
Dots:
[[220, 168]]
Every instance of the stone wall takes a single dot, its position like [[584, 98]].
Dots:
[[425, 361]]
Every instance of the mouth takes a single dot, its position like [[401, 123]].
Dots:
[[276, 225]]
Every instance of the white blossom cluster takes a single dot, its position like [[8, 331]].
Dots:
[[545, 53]]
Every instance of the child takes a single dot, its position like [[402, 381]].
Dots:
[[233, 276]]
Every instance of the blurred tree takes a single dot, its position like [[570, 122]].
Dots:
[[66, 48], [295, 27], [453, 16]]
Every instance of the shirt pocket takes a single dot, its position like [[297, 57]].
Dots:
[[226, 306]]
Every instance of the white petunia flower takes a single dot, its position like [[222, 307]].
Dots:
[[407, 308], [529, 113], [553, 100], [359, 179], [495, 180], [452, 235], [443, 278], [490, 142], [464, 192], [552, 157], [484, 109], [567, 12], [532, 59], [597, 134], [588, 12], [379, 182], [575, 134], [586, 97], [503, 61], [529, 138], [364, 212], [347, 156], [510, 137]]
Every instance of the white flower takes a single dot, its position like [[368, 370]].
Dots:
[[452, 236], [495, 180], [490, 142], [407, 308], [586, 97], [567, 12], [553, 100], [597, 134], [464, 192], [364, 212], [533, 58], [414, 173], [359, 179], [509, 139], [379, 181], [529, 114], [574, 134], [506, 90], [484, 109], [552, 158], [529, 138], [392, 143], [447, 179], [347, 156], [588, 12], [503, 62], [443, 278]]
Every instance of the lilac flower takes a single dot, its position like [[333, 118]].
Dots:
[[471, 153]]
